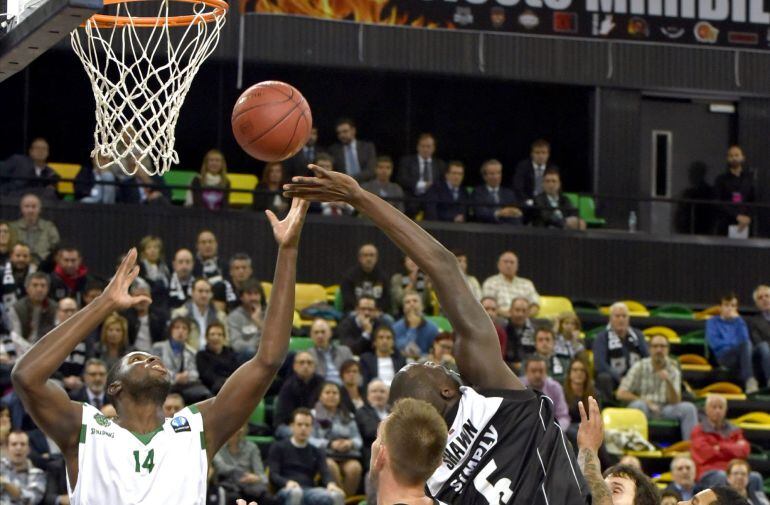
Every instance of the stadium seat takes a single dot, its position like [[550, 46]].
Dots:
[[297, 344], [306, 295], [622, 418], [65, 171], [585, 307], [258, 415], [753, 421], [245, 182], [635, 309], [663, 478], [694, 363], [672, 312], [726, 389], [331, 294], [707, 313], [338, 301], [681, 447], [178, 178], [694, 337], [553, 306], [587, 211], [573, 198], [267, 287], [671, 335], [440, 321]]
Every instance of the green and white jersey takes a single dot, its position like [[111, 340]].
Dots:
[[166, 467]]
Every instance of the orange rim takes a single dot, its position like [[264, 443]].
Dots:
[[219, 7]]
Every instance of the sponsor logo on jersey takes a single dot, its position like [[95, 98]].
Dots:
[[97, 431], [487, 442], [180, 424], [102, 420], [456, 449]]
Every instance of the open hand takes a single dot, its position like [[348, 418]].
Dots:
[[287, 231], [116, 291], [326, 186], [591, 432]]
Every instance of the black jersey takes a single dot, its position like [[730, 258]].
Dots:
[[505, 448]]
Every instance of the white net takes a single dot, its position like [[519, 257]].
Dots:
[[141, 69]]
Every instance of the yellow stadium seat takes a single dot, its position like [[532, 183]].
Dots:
[[707, 313], [267, 287], [753, 421], [664, 478], [308, 294], [671, 335], [65, 171], [726, 389], [635, 309], [694, 363], [245, 182], [331, 293], [552, 307], [681, 447], [620, 418]]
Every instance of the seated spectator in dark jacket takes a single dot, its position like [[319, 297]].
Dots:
[[552, 208], [208, 264], [95, 185], [268, 195], [154, 269], [442, 352], [179, 359], [295, 465], [14, 274], [493, 203], [300, 389], [382, 186], [94, 390], [683, 477], [545, 347], [728, 338], [69, 277], [355, 331], [329, 356], [735, 186], [244, 323], [418, 172], [142, 188], [240, 470], [369, 416], [22, 174], [182, 279], [759, 327], [366, 278], [385, 360], [217, 361], [448, 200], [352, 390], [34, 315], [209, 189], [529, 174]]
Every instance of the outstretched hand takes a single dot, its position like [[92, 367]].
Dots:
[[591, 432], [287, 231], [117, 291], [326, 186]]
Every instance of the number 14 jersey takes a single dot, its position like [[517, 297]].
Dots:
[[504, 448], [166, 467]]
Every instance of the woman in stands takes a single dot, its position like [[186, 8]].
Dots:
[[113, 343], [209, 190], [268, 193], [352, 390], [569, 342], [153, 267], [336, 431], [7, 241]]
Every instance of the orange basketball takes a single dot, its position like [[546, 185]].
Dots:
[[271, 121]]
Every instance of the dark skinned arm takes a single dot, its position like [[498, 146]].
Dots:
[[478, 348], [47, 402], [224, 414]]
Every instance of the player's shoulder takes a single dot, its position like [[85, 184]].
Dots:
[[471, 394]]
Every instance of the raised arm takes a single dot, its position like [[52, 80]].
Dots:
[[589, 438], [47, 402], [226, 413], [478, 348]]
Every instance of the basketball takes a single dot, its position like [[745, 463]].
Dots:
[[271, 121]]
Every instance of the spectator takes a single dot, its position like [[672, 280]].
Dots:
[[69, 277], [356, 158], [738, 471], [201, 312], [217, 361], [8, 239], [240, 270], [40, 235], [15, 273], [299, 390], [326, 162], [94, 185], [365, 278], [507, 285], [683, 475], [181, 283], [329, 356], [336, 432], [654, 386], [493, 203], [520, 333], [717, 495], [554, 210], [447, 200], [355, 331], [152, 266], [5, 427], [528, 178], [12, 346], [442, 352], [146, 323], [759, 327], [536, 377], [693, 217], [490, 306], [616, 350], [545, 348], [71, 368], [34, 315], [735, 186], [371, 414], [31, 173], [141, 187], [632, 461], [240, 470], [410, 279], [113, 341], [297, 164], [715, 442], [179, 359], [244, 324], [569, 342], [295, 463], [669, 497], [629, 485], [20, 482], [210, 188], [207, 263], [268, 194], [578, 387], [414, 333], [173, 404], [94, 392], [352, 390], [418, 173], [385, 361], [473, 282], [728, 338], [382, 186]]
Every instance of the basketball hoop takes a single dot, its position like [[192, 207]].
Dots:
[[140, 77]]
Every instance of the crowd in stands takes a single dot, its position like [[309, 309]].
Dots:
[[425, 186]]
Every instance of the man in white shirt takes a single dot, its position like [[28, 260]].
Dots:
[[505, 286]]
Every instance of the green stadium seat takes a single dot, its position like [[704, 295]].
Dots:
[[587, 211], [338, 301], [258, 415], [672, 312], [297, 344], [178, 178], [573, 198], [440, 321]]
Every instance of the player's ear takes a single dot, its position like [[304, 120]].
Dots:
[[114, 388]]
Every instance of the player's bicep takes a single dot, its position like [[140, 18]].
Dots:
[[53, 412]]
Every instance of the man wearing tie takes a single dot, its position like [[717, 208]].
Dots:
[[493, 203], [528, 177], [95, 379], [447, 200], [297, 164], [418, 172], [357, 158]]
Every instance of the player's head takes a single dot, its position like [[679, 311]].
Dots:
[[409, 444], [140, 377], [629, 486], [429, 382], [718, 495]]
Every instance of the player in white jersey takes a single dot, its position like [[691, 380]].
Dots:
[[142, 456], [503, 446]]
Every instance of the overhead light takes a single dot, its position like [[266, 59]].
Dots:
[[722, 108]]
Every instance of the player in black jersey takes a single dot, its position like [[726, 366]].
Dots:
[[503, 445]]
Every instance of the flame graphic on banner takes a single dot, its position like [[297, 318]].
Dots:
[[362, 11]]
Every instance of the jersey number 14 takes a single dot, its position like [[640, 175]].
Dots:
[[148, 461]]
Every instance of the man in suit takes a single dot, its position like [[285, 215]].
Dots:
[[94, 392], [30, 174], [447, 200], [297, 164], [354, 157], [493, 203], [552, 209], [417, 173], [528, 177], [382, 186]]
